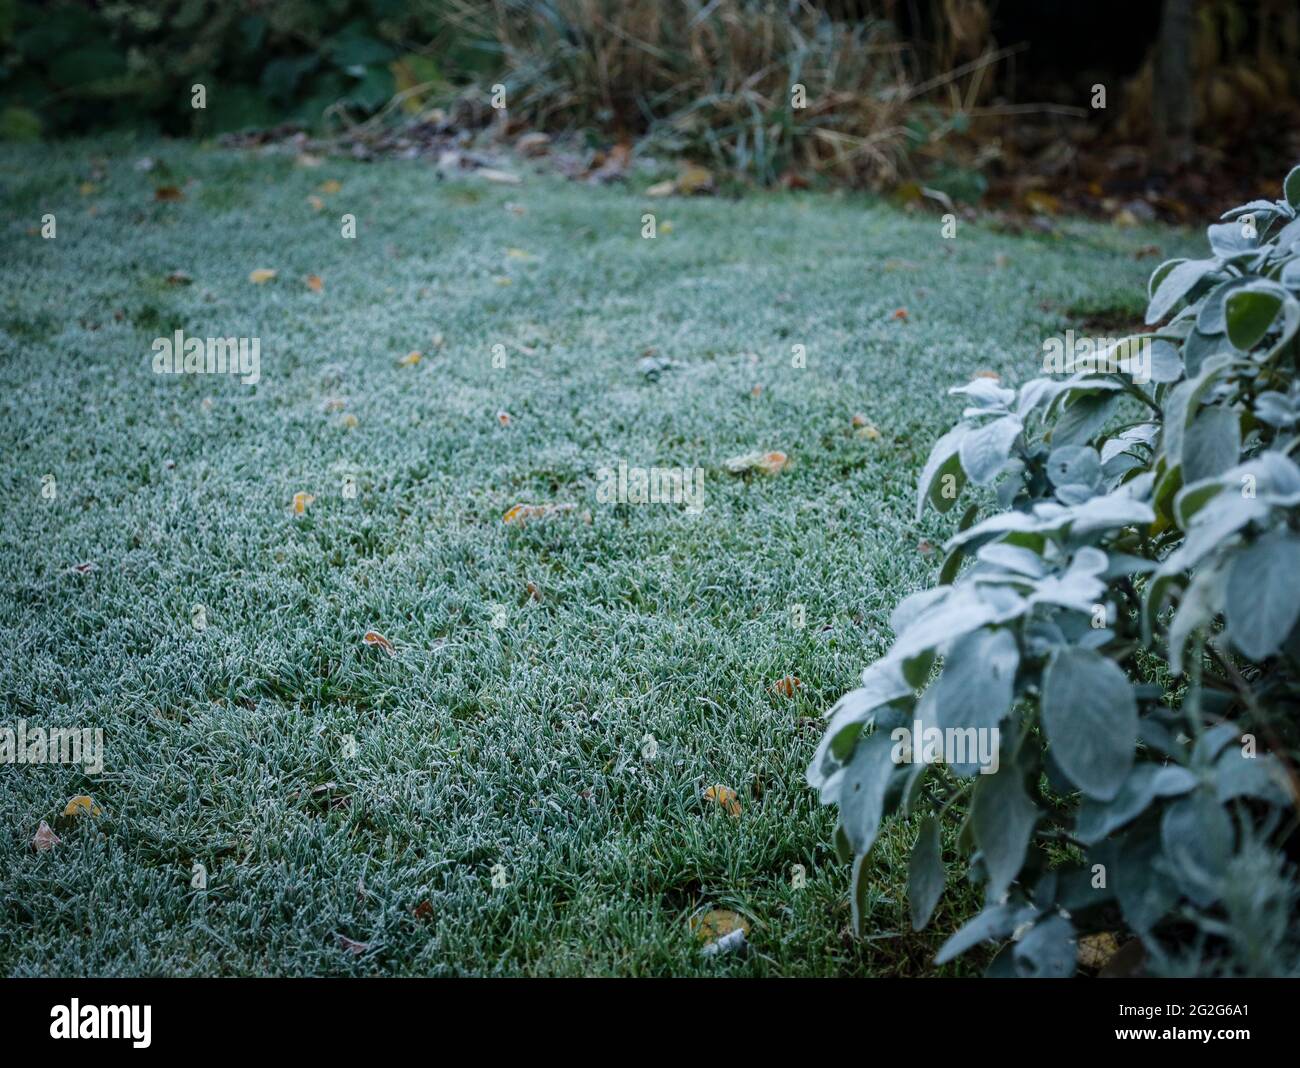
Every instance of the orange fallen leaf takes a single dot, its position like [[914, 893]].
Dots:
[[168, 192], [534, 592], [503, 417], [314, 283], [261, 276], [410, 359], [786, 687], [300, 501], [725, 797], [769, 463], [988, 374], [45, 838], [521, 513], [757, 391], [424, 910], [81, 805], [901, 314], [373, 637], [316, 202], [863, 427]]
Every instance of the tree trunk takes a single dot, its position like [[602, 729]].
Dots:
[[1171, 91]]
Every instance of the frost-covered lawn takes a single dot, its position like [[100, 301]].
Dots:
[[352, 810]]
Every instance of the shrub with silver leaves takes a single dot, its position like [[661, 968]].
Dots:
[[1128, 622]]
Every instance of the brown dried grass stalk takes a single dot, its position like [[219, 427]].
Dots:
[[712, 79]]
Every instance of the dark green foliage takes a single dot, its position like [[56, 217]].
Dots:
[[69, 67]]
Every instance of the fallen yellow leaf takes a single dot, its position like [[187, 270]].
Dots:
[[330, 186], [314, 283], [81, 805], [519, 254], [716, 923], [350, 421], [725, 797], [300, 501], [1042, 203], [410, 359], [1095, 950], [693, 179], [261, 276]]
